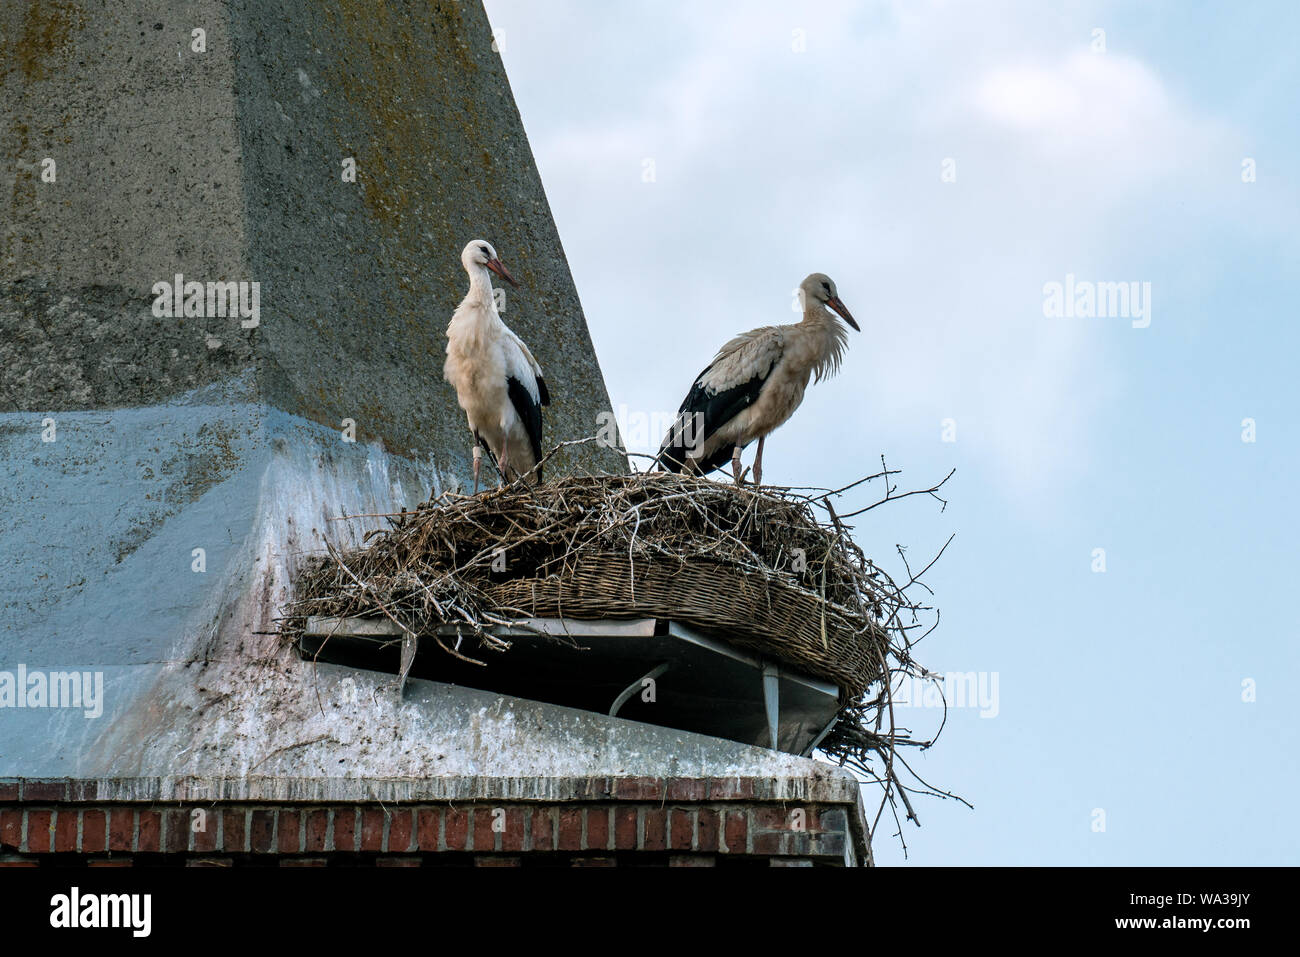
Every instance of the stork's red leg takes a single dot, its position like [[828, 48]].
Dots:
[[758, 463]]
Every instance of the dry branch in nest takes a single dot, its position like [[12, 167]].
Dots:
[[772, 570]]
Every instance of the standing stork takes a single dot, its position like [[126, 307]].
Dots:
[[498, 382], [754, 384]]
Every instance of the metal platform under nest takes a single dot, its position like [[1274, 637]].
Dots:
[[700, 684]]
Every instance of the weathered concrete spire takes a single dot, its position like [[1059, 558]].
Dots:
[[341, 154]]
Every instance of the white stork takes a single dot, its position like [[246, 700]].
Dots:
[[754, 384], [498, 382]]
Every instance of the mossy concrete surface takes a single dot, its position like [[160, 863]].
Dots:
[[228, 165]]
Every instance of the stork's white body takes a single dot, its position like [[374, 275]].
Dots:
[[483, 356], [755, 383], [788, 356]]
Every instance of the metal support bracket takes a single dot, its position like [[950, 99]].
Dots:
[[772, 700], [636, 686]]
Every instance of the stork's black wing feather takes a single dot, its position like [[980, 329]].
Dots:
[[542, 391], [720, 457], [530, 414], [710, 411]]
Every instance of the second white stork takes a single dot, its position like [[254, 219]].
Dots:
[[498, 382], [754, 384]]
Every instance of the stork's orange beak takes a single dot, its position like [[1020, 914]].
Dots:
[[500, 270], [838, 305]]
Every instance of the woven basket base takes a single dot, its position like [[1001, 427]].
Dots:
[[767, 617]]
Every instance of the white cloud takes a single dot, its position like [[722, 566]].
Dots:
[[771, 164], [1105, 119], [1087, 94]]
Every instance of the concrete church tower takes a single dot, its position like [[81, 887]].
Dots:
[[166, 467]]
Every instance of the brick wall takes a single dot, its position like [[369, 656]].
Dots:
[[684, 823]]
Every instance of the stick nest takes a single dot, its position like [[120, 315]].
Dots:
[[769, 569]]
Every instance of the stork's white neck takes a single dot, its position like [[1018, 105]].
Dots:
[[831, 337], [480, 287], [814, 311]]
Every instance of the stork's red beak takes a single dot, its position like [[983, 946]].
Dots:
[[837, 304], [500, 270]]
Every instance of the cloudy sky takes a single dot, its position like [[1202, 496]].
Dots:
[[945, 163]]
